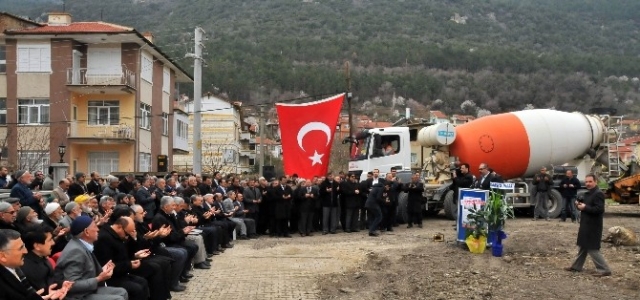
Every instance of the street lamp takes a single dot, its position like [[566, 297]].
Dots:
[[61, 150]]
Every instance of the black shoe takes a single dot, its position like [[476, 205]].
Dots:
[[324, 232], [419, 225], [208, 259], [390, 229], [333, 232], [373, 234], [228, 246], [287, 236], [178, 288], [209, 255], [217, 252], [184, 280], [201, 266], [188, 275], [410, 226], [309, 234], [243, 237]]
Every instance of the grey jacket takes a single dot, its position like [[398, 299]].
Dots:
[[79, 265]]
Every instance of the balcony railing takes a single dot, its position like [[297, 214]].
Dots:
[[122, 131], [106, 76], [248, 153]]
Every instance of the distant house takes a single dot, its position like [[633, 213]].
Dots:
[[461, 119], [436, 116], [360, 122]]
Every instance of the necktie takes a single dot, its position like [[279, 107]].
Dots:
[[23, 280]]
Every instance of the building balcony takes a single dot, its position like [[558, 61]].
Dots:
[[122, 133], [108, 80], [248, 153], [248, 136]]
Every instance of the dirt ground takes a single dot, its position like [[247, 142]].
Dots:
[[408, 264]]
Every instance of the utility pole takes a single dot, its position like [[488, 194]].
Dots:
[[349, 96], [262, 127], [197, 100]]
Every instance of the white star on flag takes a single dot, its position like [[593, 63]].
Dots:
[[316, 158]]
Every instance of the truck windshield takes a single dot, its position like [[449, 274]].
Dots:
[[359, 148]]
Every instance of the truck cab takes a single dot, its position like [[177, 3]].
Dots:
[[382, 149]]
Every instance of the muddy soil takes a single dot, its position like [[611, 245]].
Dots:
[[408, 264]]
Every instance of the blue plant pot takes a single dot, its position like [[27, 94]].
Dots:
[[496, 250]]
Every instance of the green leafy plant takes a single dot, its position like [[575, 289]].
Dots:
[[489, 217]]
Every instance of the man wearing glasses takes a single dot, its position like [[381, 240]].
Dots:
[[7, 216]]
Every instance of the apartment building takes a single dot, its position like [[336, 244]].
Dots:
[[102, 90], [226, 145]]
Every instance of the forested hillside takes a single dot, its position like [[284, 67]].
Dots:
[[471, 55]]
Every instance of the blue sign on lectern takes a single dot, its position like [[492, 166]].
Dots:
[[468, 198]]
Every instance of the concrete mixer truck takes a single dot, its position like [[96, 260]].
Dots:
[[516, 145]]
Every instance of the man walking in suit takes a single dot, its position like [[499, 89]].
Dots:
[[78, 264]]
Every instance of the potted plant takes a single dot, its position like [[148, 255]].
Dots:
[[488, 221]]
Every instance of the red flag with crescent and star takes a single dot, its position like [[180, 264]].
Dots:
[[306, 132]]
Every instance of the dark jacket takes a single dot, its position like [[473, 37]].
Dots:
[[306, 204], [110, 247], [125, 186], [95, 188], [569, 192], [176, 236], [329, 193], [251, 194], [542, 182], [12, 289], [38, 271], [374, 198], [282, 205], [25, 195], [76, 189], [483, 184], [414, 195], [590, 232], [190, 191], [144, 199], [348, 190]]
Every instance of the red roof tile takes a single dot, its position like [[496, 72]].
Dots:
[[76, 27], [631, 140], [438, 114]]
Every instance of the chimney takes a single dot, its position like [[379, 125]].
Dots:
[[59, 18], [148, 35]]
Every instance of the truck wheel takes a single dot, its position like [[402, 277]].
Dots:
[[402, 216], [450, 207], [554, 203], [431, 211]]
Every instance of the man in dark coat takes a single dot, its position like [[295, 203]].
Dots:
[[569, 187], [329, 191], [373, 206], [350, 189], [414, 191], [147, 199], [94, 187], [78, 187], [281, 194], [590, 232], [252, 199], [389, 208], [27, 197], [543, 182], [306, 196]]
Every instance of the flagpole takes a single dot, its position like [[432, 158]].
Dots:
[[349, 96]]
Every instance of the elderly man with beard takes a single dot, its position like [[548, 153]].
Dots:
[[26, 219], [60, 192], [53, 216], [7, 216], [186, 220], [21, 191], [217, 219]]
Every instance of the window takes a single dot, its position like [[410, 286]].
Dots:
[[3, 59], [182, 130], [145, 116], [252, 161], [33, 160], [146, 71], [144, 162], [3, 111], [34, 57], [33, 111], [104, 113], [104, 162], [166, 80], [165, 124]]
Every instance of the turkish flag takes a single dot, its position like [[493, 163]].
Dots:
[[306, 131]]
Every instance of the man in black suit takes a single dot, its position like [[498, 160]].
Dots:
[[281, 194], [414, 191], [13, 283], [329, 191], [146, 199], [94, 187], [78, 187], [485, 179], [350, 189], [306, 196]]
